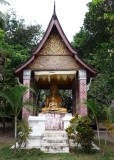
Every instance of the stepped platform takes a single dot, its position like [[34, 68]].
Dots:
[[55, 141]]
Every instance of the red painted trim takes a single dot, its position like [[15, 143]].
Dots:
[[64, 37], [23, 65], [54, 22], [51, 24], [85, 65]]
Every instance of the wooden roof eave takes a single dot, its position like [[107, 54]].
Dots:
[[59, 28], [54, 22], [90, 69], [23, 65]]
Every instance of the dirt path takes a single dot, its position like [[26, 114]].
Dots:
[[7, 137], [102, 136]]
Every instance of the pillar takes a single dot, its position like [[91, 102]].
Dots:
[[74, 97], [26, 82], [33, 101], [82, 92]]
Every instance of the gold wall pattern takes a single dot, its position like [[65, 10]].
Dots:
[[54, 63], [55, 46], [54, 55]]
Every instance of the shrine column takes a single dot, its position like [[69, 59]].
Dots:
[[82, 92], [74, 97], [26, 82]]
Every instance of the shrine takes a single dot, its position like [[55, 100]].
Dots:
[[55, 64]]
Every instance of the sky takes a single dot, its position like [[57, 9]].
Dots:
[[69, 12]]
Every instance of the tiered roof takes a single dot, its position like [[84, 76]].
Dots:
[[54, 23]]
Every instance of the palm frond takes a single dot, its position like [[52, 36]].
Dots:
[[3, 115], [6, 95], [29, 105], [92, 105], [4, 2]]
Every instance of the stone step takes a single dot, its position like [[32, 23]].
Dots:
[[55, 137], [55, 149], [54, 140], [54, 134], [55, 144]]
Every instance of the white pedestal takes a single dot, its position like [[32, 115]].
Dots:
[[37, 125], [51, 139], [66, 119]]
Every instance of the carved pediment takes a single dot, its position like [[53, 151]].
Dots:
[[54, 45], [54, 63], [54, 55]]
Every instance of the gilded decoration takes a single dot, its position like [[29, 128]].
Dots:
[[54, 55], [54, 63], [54, 46]]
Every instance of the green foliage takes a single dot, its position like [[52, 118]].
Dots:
[[101, 89], [36, 154], [81, 132], [18, 33], [67, 99], [70, 132], [95, 114], [4, 2], [10, 60], [80, 41], [85, 135], [14, 97], [94, 109], [96, 22], [16, 43], [2, 16], [23, 131], [109, 114], [103, 113], [95, 45]]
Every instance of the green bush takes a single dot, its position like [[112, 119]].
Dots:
[[81, 132], [23, 133]]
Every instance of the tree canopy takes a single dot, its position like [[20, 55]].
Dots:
[[94, 42], [2, 16], [17, 40], [16, 43], [27, 36], [95, 45]]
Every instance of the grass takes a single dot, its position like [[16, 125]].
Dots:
[[35, 154]]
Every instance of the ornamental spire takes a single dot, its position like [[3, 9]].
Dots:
[[54, 10]]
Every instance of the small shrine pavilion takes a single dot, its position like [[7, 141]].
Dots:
[[56, 59]]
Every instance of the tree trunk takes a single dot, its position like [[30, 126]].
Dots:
[[3, 121], [98, 135], [105, 143], [15, 134]]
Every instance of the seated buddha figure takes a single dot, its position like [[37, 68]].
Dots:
[[53, 102]]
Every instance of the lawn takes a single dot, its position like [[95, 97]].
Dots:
[[36, 154]]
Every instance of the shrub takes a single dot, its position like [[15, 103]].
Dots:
[[23, 133], [81, 132]]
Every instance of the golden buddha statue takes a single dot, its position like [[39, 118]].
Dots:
[[53, 102]]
